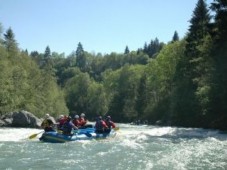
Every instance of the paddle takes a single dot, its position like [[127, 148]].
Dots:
[[34, 135]]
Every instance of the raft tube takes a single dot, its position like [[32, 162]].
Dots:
[[55, 137]]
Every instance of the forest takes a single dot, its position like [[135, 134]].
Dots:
[[180, 83]]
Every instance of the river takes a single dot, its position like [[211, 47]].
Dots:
[[134, 148]]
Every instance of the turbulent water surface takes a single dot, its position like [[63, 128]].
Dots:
[[134, 148]]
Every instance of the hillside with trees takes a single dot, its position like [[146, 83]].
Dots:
[[180, 83]]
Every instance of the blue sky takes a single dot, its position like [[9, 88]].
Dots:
[[100, 25]]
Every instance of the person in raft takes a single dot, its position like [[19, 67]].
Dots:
[[76, 121], [110, 124], [100, 125], [61, 120], [68, 126], [82, 120], [47, 123]]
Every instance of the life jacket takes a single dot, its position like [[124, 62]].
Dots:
[[76, 122], [67, 128], [46, 123], [100, 125], [82, 121]]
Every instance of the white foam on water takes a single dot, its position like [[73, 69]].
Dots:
[[17, 134]]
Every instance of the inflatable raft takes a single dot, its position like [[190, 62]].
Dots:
[[82, 134]]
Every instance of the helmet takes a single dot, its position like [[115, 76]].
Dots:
[[108, 117], [100, 118], [82, 115], [76, 117], [47, 115], [61, 116]]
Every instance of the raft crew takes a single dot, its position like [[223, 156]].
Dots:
[[68, 126], [65, 124], [110, 124], [47, 123], [100, 125]]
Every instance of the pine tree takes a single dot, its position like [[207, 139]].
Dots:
[[126, 50], [220, 8], [219, 53], [198, 29], [145, 48], [10, 42], [1, 31], [80, 57], [47, 53], [79, 50], [192, 69], [175, 37]]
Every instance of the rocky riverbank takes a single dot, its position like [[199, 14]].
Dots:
[[20, 119]]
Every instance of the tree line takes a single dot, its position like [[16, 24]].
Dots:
[[180, 83]]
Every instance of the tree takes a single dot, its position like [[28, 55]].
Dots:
[[153, 48], [80, 57], [126, 50], [219, 53], [34, 53], [220, 9], [198, 29], [175, 37], [10, 42], [191, 69], [79, 50], [47, 53], [1, 31]]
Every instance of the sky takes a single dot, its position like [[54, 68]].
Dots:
[[102, 26]]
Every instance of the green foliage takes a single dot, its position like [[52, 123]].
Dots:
[[160, 75], [24, 86], [85, 95], [122, 88], [182, 83], [192, 75]]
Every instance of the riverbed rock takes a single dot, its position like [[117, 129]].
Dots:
[[2, 123], [25, 119], [20, 119]]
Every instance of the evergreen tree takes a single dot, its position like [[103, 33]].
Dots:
[[198, 29], [47, 53], [34, 53], [219, 53], [10, 42], [153, 48], [191, 69], [79, 50], [126, 50], [1, 31], [80, 57], [145, 48], [175, 37], [220, 9]]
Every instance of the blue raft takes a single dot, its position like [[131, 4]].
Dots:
[[82, 134]]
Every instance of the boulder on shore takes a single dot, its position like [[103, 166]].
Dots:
[[20, 119]]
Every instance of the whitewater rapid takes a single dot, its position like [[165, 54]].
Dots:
[[134, 148]]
